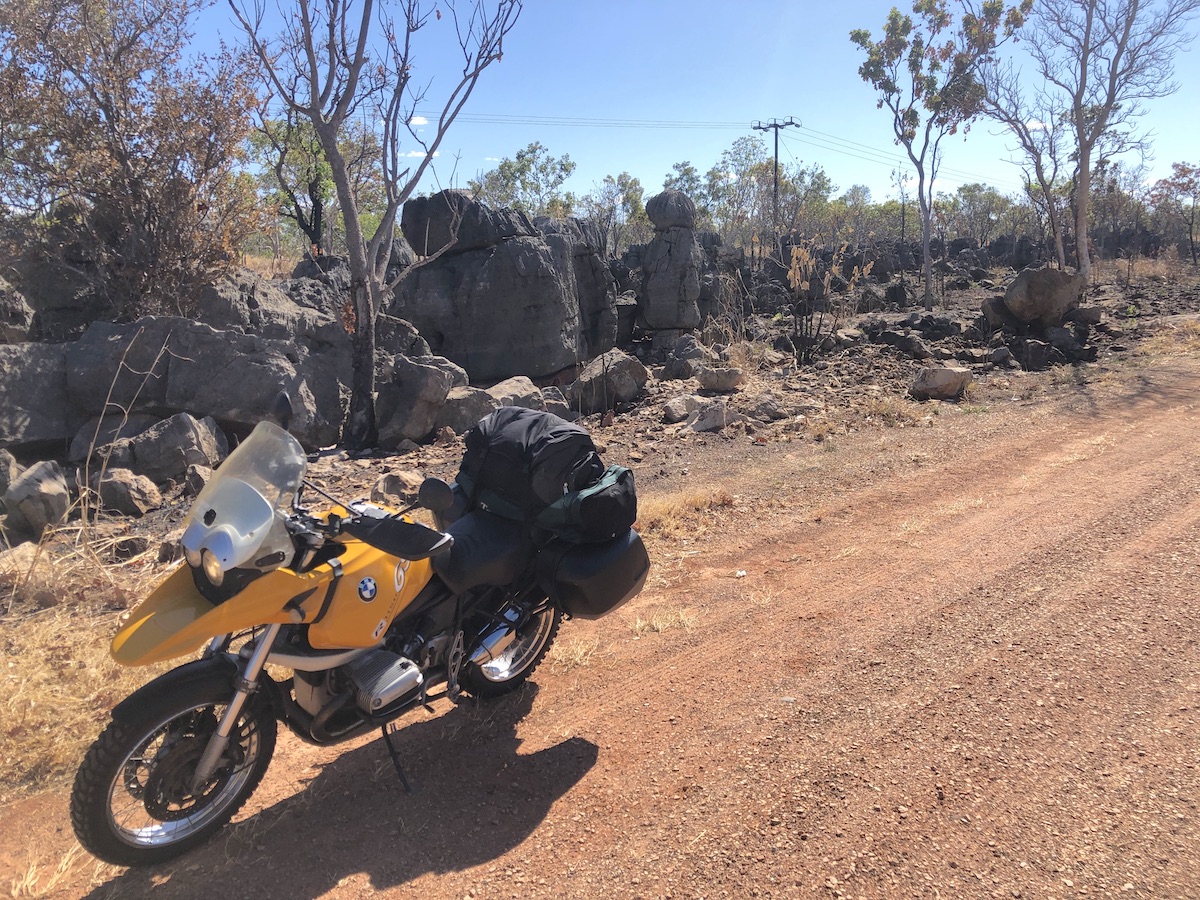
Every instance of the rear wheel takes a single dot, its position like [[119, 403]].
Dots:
[[511, 668], [133, 803]]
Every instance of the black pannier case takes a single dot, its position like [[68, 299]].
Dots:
[[590, 580]]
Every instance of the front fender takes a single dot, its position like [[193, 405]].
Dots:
[[217, 673]]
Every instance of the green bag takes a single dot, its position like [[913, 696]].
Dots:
[[599, 512]]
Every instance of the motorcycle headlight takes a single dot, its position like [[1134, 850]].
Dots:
[[211, 565]]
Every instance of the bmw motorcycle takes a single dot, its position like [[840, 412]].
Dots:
[[364, 609]]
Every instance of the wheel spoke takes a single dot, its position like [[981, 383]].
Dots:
[[167, 811]]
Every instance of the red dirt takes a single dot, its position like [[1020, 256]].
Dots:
[[962, 661]]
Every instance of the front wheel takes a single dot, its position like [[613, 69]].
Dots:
[[511, 668], [133, 804]]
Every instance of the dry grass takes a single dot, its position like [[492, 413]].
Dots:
[[1168, 267], [682, 515], [43, 877], [1172, 338], [660, 620], [892, 411], [269, 266], [576, 653], [59, 680]]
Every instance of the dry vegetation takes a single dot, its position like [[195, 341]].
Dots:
[[56, 617]]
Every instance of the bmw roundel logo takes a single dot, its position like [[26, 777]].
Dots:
[[367, 589]]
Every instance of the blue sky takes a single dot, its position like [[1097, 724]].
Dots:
[[638, 85]]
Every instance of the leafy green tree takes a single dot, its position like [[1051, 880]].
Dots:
[[120, 149], [331, 63], [850, 215], [530, 182], [1119, 214], [617, 204], [685, 178], [975, 211], [1179, 195], [804, 193], [739, 189], [924, 71], [294, 176]]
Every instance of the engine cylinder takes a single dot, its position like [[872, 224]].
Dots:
[[381, 678]]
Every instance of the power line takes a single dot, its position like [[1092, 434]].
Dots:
[[809, 136]]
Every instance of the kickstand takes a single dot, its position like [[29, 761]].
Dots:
[[388, 731]]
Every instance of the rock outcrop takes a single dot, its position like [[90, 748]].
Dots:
[[505, 299], [671, 264]]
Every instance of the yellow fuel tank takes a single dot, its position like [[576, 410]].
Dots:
[[367, 591]]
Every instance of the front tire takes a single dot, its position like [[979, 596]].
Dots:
[[132, 804], [510, 669]]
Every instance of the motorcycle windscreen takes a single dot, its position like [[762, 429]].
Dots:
[[239, 515]]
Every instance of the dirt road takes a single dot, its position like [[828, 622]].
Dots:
[[957, 661]]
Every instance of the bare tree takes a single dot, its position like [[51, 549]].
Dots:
[[331, 62], [1106, 58], [1035, 124]]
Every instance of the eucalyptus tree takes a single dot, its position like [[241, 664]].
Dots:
[[924, 70], [1102, 60], [1097, 63], [531, 181], [1179, 195]]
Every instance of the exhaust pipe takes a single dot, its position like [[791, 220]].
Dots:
[[498, 640]]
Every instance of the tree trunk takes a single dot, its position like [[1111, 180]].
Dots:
[[926, 252], [1083, 187], [360, 431]]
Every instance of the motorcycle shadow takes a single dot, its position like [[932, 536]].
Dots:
[[474, 798]]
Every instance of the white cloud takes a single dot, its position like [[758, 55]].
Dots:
[[417, 154], [1035, 125], [418, 120]]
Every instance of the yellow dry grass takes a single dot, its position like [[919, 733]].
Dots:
[[662, 619], [59, 682], [1180, 337], [682, 514]]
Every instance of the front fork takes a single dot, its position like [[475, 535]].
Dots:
[[245, 685]]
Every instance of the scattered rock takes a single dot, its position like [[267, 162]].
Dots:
[[713, 416], [941, 383], [464, 407], [722, 380], [1043, 296], [121, 491], [397, 488], [195, 479], [616, 377], [518, 391], [164, 451], [22, 564], [38, 498], [678, 409], [407, 406]]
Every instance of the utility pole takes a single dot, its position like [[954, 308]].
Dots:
[[775, 125]]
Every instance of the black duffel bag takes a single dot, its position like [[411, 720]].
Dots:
[[536, 468]]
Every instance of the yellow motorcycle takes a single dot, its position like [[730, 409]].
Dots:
[[366, 608]]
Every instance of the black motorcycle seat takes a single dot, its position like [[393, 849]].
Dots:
[[487, 550]]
